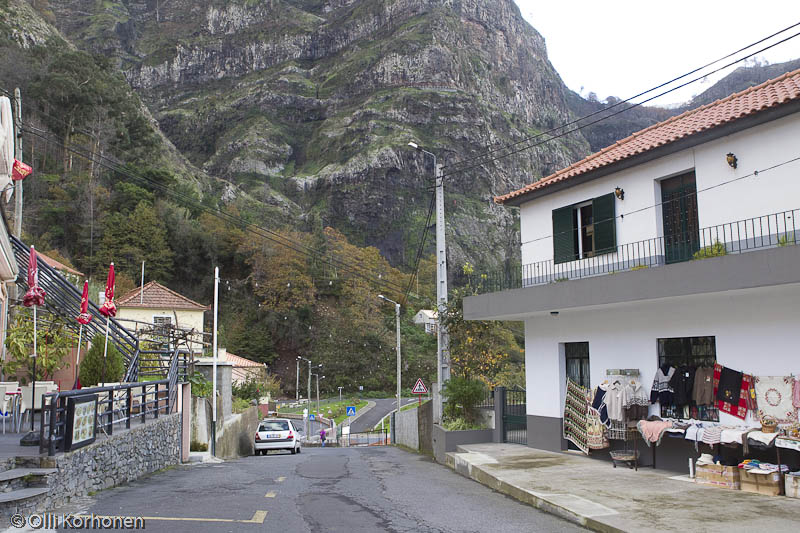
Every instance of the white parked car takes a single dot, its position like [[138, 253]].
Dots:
[[276, 434]]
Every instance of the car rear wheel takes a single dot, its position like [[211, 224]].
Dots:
[[294, 451]]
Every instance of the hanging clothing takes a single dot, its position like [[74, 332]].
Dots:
[[599, 405], [615, 401], [730, 386], [636, 403], [6, 141], [682, 382], [661, 391], [575, 407], [596, 431], [738, 409], [703, 387]]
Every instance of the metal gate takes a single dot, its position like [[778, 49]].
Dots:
[[515, 420]]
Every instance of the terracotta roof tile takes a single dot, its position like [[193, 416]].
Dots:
[[58, 265], [761, 97], [241, 361], [159, 297]]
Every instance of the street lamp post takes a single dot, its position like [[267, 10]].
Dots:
[[397, 316], [297, 378], [340, 394], [323, 377], [308, 398], [442, 338]]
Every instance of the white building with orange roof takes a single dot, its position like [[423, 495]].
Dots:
[[158, 305], [697, 219]]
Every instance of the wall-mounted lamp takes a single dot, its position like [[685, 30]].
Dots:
[[733, 161], [620, 192]]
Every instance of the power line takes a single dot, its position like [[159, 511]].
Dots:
[[488, 156], [266, 233], [755, 173]]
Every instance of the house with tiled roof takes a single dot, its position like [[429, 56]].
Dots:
[[672, 250], [158, 305]]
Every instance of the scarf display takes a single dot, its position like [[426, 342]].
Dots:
[[774, 398], [575, 408]]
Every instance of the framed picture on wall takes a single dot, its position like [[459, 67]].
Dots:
[[81, 422]]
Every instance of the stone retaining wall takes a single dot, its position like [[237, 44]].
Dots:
[[118, 459]]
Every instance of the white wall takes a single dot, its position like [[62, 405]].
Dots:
[[186, 318], [755, 333], [756, 148]]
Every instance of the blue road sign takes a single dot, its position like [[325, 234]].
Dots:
[[351, 410], [311, 416]]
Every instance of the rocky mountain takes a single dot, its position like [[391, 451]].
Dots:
[[309, 104], [305, 107]]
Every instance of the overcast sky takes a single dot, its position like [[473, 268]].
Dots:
[[623, 47]]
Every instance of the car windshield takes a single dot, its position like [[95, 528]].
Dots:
[[274, 425]]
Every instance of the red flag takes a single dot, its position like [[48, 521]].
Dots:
[[84, 317], [35, 294], [109, 308], [20, 170]]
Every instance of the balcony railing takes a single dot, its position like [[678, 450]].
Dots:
[[768, 231]]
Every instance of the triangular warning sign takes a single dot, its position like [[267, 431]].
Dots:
[[419, 388]]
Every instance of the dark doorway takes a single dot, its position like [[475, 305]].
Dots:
[[681, 228], [577, 355]]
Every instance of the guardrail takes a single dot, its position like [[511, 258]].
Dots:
[[117, 404], [768, 231]]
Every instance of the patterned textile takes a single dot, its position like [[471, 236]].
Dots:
[[774, 397], [796, 395], [575, 408], [596, 431], [739, 409]]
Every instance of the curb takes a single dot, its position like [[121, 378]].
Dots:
[[539, 501], [370, 405]]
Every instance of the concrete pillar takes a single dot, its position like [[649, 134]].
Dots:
[[437, 415], [499, 410], [224, 383]]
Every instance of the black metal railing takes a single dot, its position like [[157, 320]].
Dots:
[[116, 404], [488, 400], [768, 231], [64, 299]]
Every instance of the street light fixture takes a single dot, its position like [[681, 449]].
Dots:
[[397, 316], [442, 338]]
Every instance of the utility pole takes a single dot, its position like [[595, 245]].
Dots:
[[397, 318], [214, 378], [309, 385], [442, 338], [297, 386], [18, 156]]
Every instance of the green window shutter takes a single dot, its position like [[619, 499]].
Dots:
[[564, 235], [605, 225]]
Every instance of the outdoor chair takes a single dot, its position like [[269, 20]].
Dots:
[[27, 403], [4, 406]]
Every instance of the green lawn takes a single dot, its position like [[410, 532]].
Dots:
[[333, 406]]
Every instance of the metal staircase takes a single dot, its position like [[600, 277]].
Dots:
[[64, 299]]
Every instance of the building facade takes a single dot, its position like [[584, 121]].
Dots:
[[676, 246]]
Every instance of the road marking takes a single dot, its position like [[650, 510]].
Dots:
[[258, 518], [270, 494], [281, 479]]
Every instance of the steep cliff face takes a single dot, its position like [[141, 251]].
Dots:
[[310, 104]]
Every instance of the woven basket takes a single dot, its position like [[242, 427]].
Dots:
[[769, 425]]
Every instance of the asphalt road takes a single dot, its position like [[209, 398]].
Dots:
[[373, 416], [321, 489]]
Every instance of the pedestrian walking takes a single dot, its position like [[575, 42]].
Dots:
[[322, 436]]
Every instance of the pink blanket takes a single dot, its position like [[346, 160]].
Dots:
[[652, 430]]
